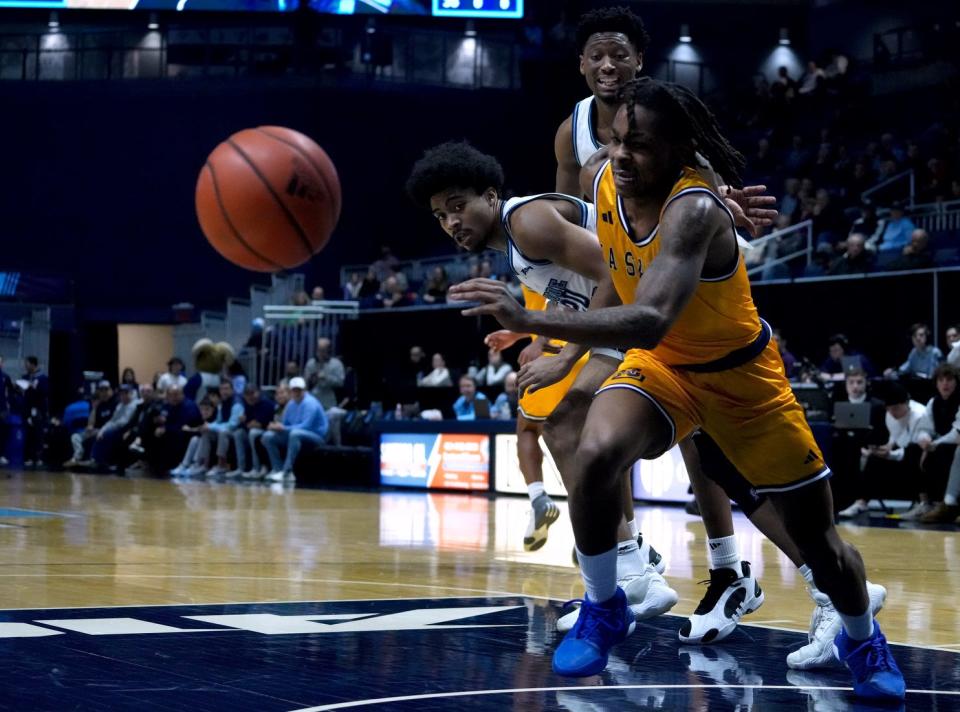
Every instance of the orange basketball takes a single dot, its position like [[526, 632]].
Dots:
[[268, 198]]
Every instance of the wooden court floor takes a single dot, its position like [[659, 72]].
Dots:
[[142, 594], [89, 541]]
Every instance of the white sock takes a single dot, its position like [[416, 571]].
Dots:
[[858, 627], [535, 489], [634, 529], [723, 554], [807, 574], [629, 561], [950, 499], [599, 574]]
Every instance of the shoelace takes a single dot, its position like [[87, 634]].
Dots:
[[716, 585], [586, 626], [879, 654]]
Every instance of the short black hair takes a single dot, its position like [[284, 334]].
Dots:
[[177, 359], [920, 326], [839, 339], [613, 19], [896, 394], [454, 164], [33, 360]]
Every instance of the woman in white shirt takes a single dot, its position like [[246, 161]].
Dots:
[[174, 375], [496, 370], [439, 376]]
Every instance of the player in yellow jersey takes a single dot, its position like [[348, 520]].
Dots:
[[699, 356]]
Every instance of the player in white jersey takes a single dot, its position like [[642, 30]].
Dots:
[[545, 236]]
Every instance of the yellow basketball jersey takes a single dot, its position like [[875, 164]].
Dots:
[[532, 300], [721, 316]]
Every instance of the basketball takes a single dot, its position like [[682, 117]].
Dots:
[[268, 198]]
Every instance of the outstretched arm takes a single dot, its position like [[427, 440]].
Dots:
[[665, 289]]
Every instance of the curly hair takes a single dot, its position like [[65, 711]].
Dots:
[[613, 19], [688, 120], [455, 164]]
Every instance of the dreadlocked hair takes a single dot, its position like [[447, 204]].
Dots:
[[455, 164], [613, 19], [688, 120]]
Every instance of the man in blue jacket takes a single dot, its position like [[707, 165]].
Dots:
[[304, 420], [220, 431]]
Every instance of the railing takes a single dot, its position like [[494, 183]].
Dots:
[[935, 217], [291, 335], [457, 266], [794, 242], [867, 195]]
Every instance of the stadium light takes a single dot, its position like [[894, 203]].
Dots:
[[784, 37], [471, 29], [685, 34], [153, 24], [54, 22], [371, 26]]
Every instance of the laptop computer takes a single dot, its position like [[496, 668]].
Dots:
[[814, 399], [852, 416], [850, 362]]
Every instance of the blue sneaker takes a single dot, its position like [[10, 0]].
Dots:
[[584, 650], [875, 673]]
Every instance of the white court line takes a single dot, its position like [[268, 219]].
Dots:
[[590, 688], [37, 511]]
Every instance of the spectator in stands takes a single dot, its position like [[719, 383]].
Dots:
[[168, 440], [36, 410], [6, 399], [763, 162], [847, 442], [386, 265], [867, 224], [898, 460], [392, 295], [351, 290], [798, 159], [258, 413], [938, 439], [108, 438], [414, 367], [790, 203], [281, 398], [789, 360], [463, 407], [300, 298], [324, 373], [129, 378], [439, 376], [496, 370], [291, 370], [196, 457], [104, 403], [74, 420], [505, 406], [174, 375], [220, 432], [435, 290], [304, 422], [317, 295], [855, 260], [953, 346], [896, 230], [812, 81], [833, 368], [860, 180], [513, 285], [923, 358], [829, 227], [917, 254], [147, 409], [785, 86], [370, 286]]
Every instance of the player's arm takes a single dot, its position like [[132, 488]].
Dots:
[[588, 174], [568, 170], [667, 286], [541, 232]]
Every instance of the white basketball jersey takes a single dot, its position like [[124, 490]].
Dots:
[[585, 141], [557, 284]]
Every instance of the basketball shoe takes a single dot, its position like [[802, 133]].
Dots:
[[543, 513], [875, 672], [728, 598], [585, 649], [648, 595]]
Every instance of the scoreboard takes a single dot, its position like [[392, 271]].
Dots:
[[478, 8]]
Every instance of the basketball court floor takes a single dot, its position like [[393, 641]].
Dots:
[[144, 594]]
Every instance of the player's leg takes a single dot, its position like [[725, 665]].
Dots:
[[543, 510]]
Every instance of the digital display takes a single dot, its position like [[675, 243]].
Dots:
[[507, 9], [435, 461], [478, 8], [510, 480], [662, 480]]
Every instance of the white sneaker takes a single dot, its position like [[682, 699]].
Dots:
[[179, 471], [648, 595], [4, 461], [651, 555], [917, 511], [727, 600], [280, 476], [251, 475], [196, 471], [217, 471], [233, 474], [854, 510], [543, 513], [825, 623]]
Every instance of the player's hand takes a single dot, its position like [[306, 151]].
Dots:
[[495, 299], [750, 206], [502, 339], [541, 373], [532, 351]]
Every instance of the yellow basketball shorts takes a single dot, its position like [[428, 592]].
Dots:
[[750, 411], [540, 404]]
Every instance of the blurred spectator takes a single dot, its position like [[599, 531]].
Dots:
[[463, 407], [109, 437], [36, 410], [370, 285], [896, 461], [789, 360], [829, 226], [392, 294], [104, 403], [505, 406], [386, 264], [798, 158], [496, 370], [169, 438], [74, 420], [258, 413], [938, 439], [317, 295], [304, 422], [953, 346], [790, 203], [812, 80], [196, 457], [896, 230], [513, 285], [784, 87], [855, 260], [439, 376], [833, 368], [291, 370], [923, 358], [413, 368], [220, 432], [867, 224], [763, 163], [6, 399], [147, 408], [300, 298], [917, 254], [435, 290], [351, 290], [324, 373], [860, 180], [486, 269], [174, 375], [129, 378]]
